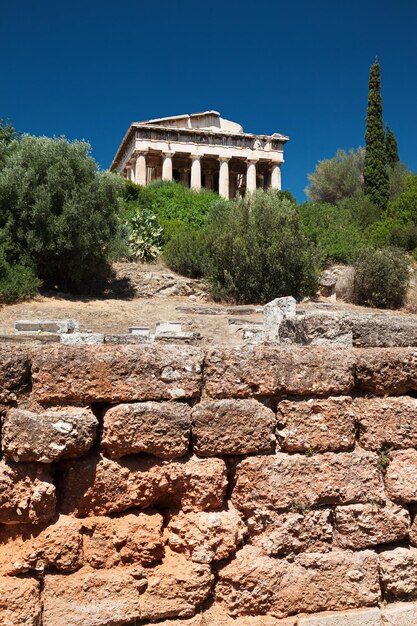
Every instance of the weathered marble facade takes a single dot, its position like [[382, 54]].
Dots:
[[201, 150]]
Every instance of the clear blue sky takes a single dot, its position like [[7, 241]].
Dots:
[[86, 69]]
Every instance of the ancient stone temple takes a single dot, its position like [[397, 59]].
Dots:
[[201, 150]]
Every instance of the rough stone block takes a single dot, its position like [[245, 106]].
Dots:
[[82, 339], [360, 526], [53, 547], [46, 326], [398, 572], [158, 428], [167, 326], [387, 422], [282, 481], [14, 371], [176, 588], [126, 539], [281, 534], [256, 584], [206, 536], [383, 330], [354, 617], [20, 603], [232, 427], [27, 494], [270, 371], [386, 371], [97, 486], [116, 374], [318, 425], [215, 615], [399, 614], [47, 436], [400, 477]]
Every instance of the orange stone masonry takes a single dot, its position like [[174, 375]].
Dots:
[[253, 486]]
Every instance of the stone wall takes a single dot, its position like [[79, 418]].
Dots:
[[263, 486]]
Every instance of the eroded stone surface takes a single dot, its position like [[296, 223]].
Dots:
[[360, 526], [354, 617], [270, 371], [27, 494], [20, 603], [232, 427], [132, 538], [96, 485], [47, 436], [158, 428], [281, 534], [387, 422], [50, 547], [256, 584], [282, 481], [399, 614], [206, 536], [398, 571], [387, 370], [400, 478], [320, 425], [14, 371], [116, 373]]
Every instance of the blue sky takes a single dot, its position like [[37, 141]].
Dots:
[[86, 69]]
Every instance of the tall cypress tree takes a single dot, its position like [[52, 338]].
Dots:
[[391, 147], [375, 171]]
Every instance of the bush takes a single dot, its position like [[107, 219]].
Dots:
[[256, 250], [145, 236], [381, 278], [337, 178], [185, 253], [58, 211], [16, 282]]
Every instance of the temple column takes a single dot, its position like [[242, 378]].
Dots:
[[251, 176], [167, 165], [140, 168], [196, 172], [224, 177], [276, 176]]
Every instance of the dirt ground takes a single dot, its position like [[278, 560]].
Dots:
[[154, 293]]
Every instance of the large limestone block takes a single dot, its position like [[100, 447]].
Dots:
[[14, 371], [158, 428], [175, 588], [215, 615], [360, 526], [54, 547], [400, 478], [20, 603], [282, 534], [386, 371], [232, 427], [96, 485], [354, 617], [297, 481], [116, 373], [126, 539], [27, 494], [93, 598], [255, 584], [387, 422], [269, 371], [56, 433], [319, 425], [398, 572], [399, 614], [206, 536]]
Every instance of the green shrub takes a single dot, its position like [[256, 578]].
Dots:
[[381, 278], [16, 282], [185, 253], [145, 236], [58, 211], [256, 250]]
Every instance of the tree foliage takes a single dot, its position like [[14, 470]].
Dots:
[[381, 278], [391, 147], [337, 178], [58, 214], [375, 171]]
